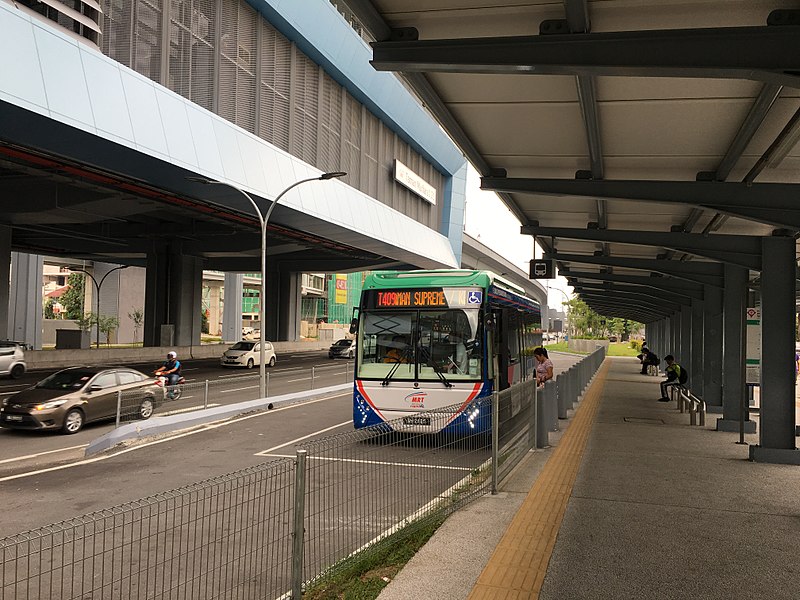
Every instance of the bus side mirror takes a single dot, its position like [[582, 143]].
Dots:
[[354, 326]]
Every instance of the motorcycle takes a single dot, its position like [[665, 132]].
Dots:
[[171, 392]]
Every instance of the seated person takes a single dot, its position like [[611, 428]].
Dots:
[[398, 350], [649, 359], [676, 375]]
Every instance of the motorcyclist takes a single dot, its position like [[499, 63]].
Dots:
[[171, 369]]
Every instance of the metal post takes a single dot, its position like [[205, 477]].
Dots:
[[298, 530], [313, 374], [205, 396], [266, 388], [533, 431], [495, 437], [119, 405]]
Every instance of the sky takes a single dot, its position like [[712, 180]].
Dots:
[[488, 220]]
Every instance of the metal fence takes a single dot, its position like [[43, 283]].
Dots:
[[144, 402], [271, 530]]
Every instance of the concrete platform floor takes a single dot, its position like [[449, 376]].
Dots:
[[656, 509]]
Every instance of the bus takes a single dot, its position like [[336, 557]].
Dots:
[[430, 340]]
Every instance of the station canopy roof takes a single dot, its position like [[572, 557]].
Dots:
[[644, 143]]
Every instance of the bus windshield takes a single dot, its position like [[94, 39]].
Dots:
[[420, 345]]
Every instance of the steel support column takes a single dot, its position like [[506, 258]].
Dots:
[[696, 373], [777, 438], [684, 351], [5, 280], [712, 349], [734, 368]]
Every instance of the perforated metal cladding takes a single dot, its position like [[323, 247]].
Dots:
[[147, 39], [264, 84], [306, 84], [276, 64], [191, 50], [237, 78], [351, 146], [116, 22], [330, 139]]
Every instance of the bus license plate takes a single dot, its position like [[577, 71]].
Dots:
[[416, 420]]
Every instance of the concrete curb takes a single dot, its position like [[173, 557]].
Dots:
[[157, 425]]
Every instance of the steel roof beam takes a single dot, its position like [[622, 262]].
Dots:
[[700, 272], [673, 300], [761, 53], [632, 301], [770, 203], [739, 250], [629, 312], [758, 111], [669, 284]]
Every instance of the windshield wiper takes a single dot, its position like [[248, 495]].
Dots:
[[391, 373], [440, 374]]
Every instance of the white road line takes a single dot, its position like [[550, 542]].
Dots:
[[183, 410], [250, 387], [15, 385], [27, 456], [234, 375], [192, 369], [305, 437], [296, 380], [170, 438], [373, 462]]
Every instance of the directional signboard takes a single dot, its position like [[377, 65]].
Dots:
[[753, 354]]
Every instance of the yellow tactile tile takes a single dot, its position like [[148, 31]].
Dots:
[[518, 565]]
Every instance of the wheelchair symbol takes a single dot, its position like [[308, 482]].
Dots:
[[474, 297]]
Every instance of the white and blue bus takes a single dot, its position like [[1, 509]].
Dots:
[[434, 339]]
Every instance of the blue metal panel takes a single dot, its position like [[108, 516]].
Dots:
[[323, 34]]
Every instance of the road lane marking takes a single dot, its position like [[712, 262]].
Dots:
[[305, 437], [374, 462], [27, 456], [15, 385], [199, 429], [296, 380], [188, 409], [250, 387]]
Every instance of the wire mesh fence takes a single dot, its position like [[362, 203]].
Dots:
[[271, 530], [144, 401]]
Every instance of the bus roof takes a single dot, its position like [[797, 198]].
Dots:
[[436, 277]]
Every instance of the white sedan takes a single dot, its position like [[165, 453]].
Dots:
[[247, 354]]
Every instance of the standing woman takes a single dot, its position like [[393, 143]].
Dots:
[[544, 368]]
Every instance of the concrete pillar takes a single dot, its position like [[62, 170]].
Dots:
[[283, 306], [173, 298], [25, 304], [712, 348], [232, 307], [5, 281], [696, 373], [734, 367], [675, 345], [777, 438]]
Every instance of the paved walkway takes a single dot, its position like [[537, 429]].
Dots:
[[631, 502]]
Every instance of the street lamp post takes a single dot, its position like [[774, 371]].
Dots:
[[263, 220], [97, 287]]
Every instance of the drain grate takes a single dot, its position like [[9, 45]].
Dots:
[[644, 420]]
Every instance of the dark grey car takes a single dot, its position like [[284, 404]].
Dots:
[[70, 398]]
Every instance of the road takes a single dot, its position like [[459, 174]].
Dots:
[[39, 490], [30, 450]]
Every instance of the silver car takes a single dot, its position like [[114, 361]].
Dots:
[[12, 359]]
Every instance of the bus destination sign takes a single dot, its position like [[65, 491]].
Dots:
[[426, 298]]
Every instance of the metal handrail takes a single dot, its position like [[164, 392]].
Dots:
[[687, 399]]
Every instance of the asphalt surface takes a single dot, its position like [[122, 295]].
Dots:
[[30, 450]]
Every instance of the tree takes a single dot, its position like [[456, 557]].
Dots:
[[85, 321], [137, 316], [48, 309], [72, 299], [107, 325]]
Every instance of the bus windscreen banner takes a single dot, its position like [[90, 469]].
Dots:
[[424, 298]]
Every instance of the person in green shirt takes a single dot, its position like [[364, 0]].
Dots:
[[676, 375]]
